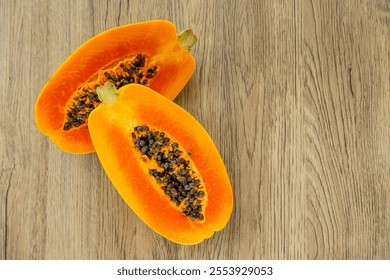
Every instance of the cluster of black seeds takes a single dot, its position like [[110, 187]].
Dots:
[[133, 72], [177, 179], [81, 108]]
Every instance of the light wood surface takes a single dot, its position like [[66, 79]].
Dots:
[[295, 94]]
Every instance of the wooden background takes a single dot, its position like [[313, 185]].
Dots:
[[295, 94]]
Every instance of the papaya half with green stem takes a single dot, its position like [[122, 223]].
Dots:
[[147, 53], [162, 162]]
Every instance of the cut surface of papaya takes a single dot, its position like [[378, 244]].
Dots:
[[162, 162], [147, 53]]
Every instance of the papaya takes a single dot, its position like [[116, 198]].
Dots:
[[162, 162], [148, 53]]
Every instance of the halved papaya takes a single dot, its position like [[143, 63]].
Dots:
[[162, 162], [148, 53]]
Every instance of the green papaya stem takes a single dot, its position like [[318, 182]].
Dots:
[[107, 93], [187, 39]]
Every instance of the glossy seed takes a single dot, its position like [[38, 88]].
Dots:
[[67, 126], [175, 145]]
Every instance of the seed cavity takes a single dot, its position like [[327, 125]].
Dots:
[[173, 172], [80, 109], [134, 69]]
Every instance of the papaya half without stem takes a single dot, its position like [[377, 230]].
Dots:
[[162, 162], [148, 53]]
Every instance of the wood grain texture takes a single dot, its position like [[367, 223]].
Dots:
[[295, 94]]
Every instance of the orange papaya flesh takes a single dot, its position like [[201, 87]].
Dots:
[[148, 53], [163, 163]]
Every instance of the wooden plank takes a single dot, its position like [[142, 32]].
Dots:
[[346, 93]]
